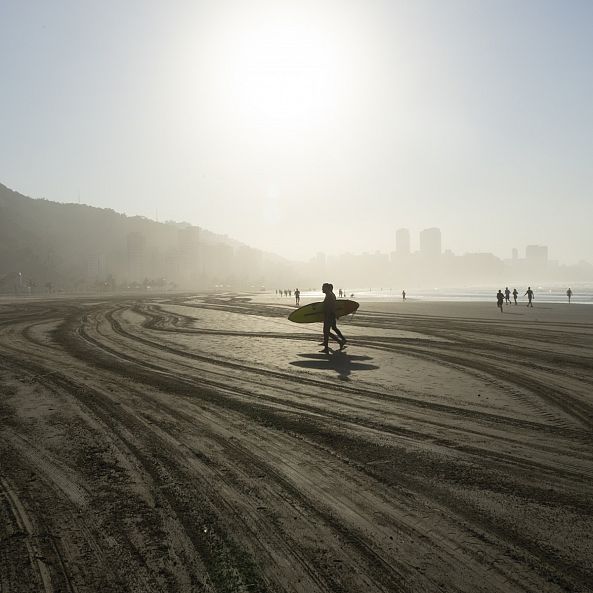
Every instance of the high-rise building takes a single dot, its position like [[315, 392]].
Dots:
[[95, 266], [430, 242], [320, 259], [188, 253], [402, 242], [515, 253], [536, 253], [189, 240], [137, 260], [247, 262]]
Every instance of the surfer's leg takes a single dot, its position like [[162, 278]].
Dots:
[[342, 340], [326, 328], [338, 332]]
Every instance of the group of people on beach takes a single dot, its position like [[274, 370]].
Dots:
[[285, 292], [330, 306], [288, 293], [505, 298], [297, 294]]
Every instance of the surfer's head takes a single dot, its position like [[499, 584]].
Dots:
[[327, 287]]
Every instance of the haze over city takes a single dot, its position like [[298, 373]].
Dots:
[[313, 126]]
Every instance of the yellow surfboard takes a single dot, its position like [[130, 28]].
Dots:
[[313, 312]]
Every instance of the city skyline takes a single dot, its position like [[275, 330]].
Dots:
[[433, 245], [48, 246], [402, 237], [295, 127]]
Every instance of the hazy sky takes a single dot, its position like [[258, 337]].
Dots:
[[299, 127]]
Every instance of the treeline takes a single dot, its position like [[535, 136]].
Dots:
[[47, 246]]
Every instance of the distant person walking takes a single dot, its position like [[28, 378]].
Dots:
[[499, 299], [507, 296], [530, 296], [297, 296], [515, 295], [403, 295], [329, 318], [569, 294]]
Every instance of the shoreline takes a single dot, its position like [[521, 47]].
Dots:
[[540, 311]]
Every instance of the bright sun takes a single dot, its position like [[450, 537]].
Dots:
[[283, 77]]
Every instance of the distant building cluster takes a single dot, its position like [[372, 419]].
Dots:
[[432, 266], [190, 262], [430, 242]]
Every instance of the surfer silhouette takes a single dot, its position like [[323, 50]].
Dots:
[[329, 318], [569, 294]]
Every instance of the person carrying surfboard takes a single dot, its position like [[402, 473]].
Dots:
[[329, 318]]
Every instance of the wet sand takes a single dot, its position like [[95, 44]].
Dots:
[[205, 444]]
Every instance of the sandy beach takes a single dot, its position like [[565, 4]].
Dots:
[[205, 444]]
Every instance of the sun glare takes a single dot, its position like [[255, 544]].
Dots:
[[283, 77]]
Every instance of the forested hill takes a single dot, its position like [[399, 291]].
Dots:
[[48, 245]]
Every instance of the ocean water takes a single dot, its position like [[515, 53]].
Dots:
[[581, 294]]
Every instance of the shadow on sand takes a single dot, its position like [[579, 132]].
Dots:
[[338, 361]]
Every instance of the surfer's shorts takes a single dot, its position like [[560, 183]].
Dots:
[[330, 319]]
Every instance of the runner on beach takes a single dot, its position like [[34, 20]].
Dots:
[[499, 299], [329, 318], [507, 296], [403, 295], [529, 294], [569, 294], [515, 295]]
